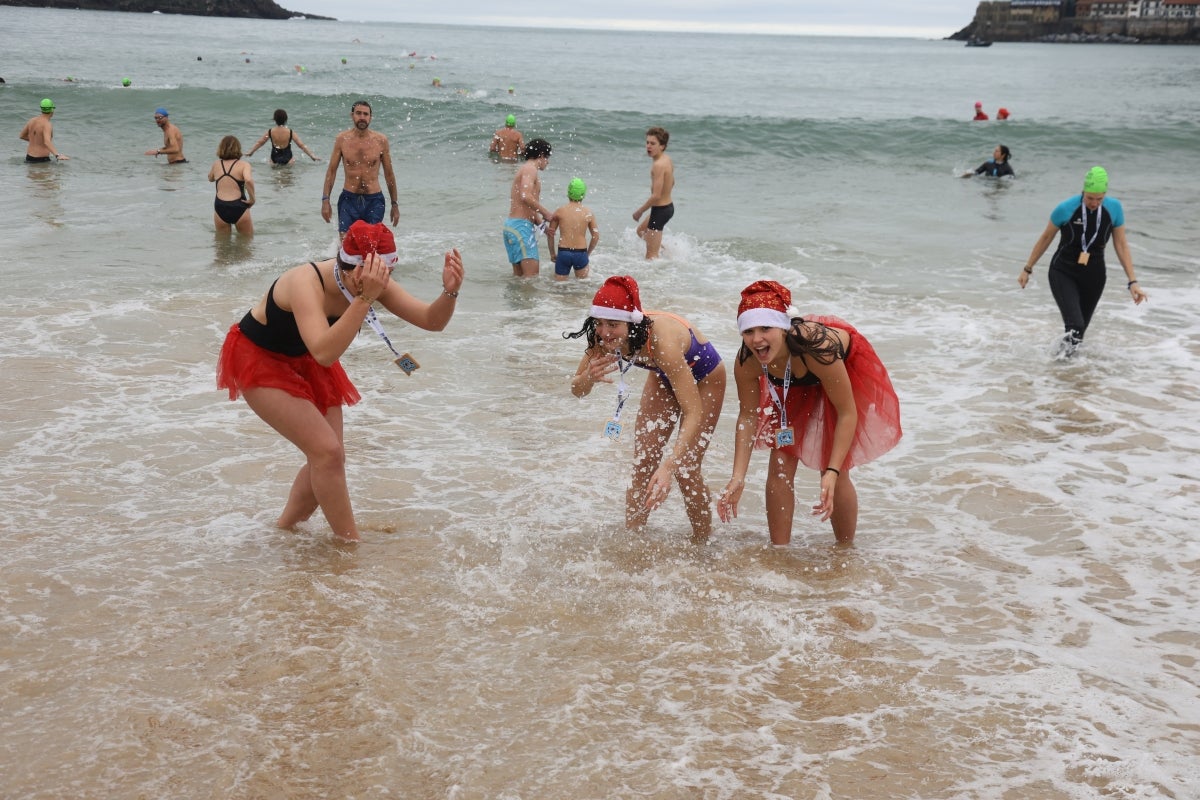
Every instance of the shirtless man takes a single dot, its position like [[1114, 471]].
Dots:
[[172, 139], [575, 225], [662, 181], [507, 143], [40, 134], [363, 152], [526, 212]]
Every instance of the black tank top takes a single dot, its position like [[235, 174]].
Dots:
[[280, 334]]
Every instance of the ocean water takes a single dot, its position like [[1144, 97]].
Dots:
[[1017, 619]]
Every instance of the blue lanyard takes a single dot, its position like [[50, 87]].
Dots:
[[1083, 232], [622, 387]]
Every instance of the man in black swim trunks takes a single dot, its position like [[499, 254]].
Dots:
[[172, 139], [662, 181], [39, 132]]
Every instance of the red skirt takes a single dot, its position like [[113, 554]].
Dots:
[[813, 417], [244, 365]]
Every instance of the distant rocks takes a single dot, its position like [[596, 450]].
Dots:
[[250, 9]]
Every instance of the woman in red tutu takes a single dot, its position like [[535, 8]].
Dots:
[[810, 390], [283, 357]]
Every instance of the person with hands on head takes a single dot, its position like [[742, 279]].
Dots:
[[1077, 272], [686, 384], [283, 358], [811, 390]]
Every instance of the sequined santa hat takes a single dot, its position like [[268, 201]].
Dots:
[[364, 238], [766, 304], [618, 300]]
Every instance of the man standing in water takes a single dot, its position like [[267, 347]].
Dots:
[[364, 152], [507, 143], [172, 139], [40, 135], [526, 212], [662, 181]]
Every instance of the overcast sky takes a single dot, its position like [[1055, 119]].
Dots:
[[923, 18]]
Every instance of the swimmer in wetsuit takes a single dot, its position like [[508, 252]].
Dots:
[[235, 189], [281, 138], [998, 167], [1077, 272], [686, 384]]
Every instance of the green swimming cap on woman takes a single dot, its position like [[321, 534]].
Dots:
[[510, 120], [576, 189], [1096, 181]]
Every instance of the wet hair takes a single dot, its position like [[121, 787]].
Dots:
[[536, 149], [1004, 151], [280, 117], [813, 339], [660, 134], [229, 147], [358, 103], [639, 333]]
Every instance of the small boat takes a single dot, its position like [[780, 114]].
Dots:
[[977, 42]]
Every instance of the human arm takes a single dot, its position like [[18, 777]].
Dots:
[[248, 177], [594, 234], [835, 382], [593, 368], [551, 232], [658, 182], [24, 135], [301, 145], [335, 158], [389, 177], [172, 143], [1121, 246], [669, 342], [1039, 249], [261, 141], [746, 376], [434, 315], [494, 147], [529, 190]]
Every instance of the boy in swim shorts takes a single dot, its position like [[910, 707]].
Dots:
[[579, 234]]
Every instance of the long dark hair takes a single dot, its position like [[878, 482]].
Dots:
[[639, 333], [813, 339]]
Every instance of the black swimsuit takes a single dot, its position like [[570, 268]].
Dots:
[[280, 334], [281, 155], [230, 211]]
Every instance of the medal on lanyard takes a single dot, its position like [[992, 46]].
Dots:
[[785, 436], [403, 360], [1084, 255], [612, 428]]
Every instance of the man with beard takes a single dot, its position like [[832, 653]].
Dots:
[[363, 152]]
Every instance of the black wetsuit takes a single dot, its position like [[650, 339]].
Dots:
[[994, 170], [1077, 287]]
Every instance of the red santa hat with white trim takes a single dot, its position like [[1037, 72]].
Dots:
[[364, 238], [618, 299], [766, 304]]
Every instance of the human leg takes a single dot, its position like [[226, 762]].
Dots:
[[656, 419], [696, 498], [220, 225], [245, 225], [781, 496], [322, 480]]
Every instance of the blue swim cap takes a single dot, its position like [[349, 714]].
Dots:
[[161, 112]]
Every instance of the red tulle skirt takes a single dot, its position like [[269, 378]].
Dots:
[[244, 365], [813, 417]]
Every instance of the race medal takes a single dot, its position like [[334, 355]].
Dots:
[[785, 437], [407, 363], [612, 430], [1083, 258]]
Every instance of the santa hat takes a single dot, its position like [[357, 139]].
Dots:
[[618, 299], [766, 304], [364, 238]]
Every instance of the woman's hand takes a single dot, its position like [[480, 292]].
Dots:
[[452, 272], [727, 503], [824, 507], [373, 277], [1139, 296], [599, 367], [659, 485]]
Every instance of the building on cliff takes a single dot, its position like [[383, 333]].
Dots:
[[1152, 21]]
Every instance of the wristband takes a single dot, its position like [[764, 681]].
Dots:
[[1130, 284], [448, 292], [834, 470], [324, 197], [1028, 270]]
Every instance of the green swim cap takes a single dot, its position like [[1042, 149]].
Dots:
[[576, 189], [125, 81], [1096, 181], [510, 120], [47, 105]]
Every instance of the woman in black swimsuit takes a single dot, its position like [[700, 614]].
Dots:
[[281, 138], [235, 189]]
